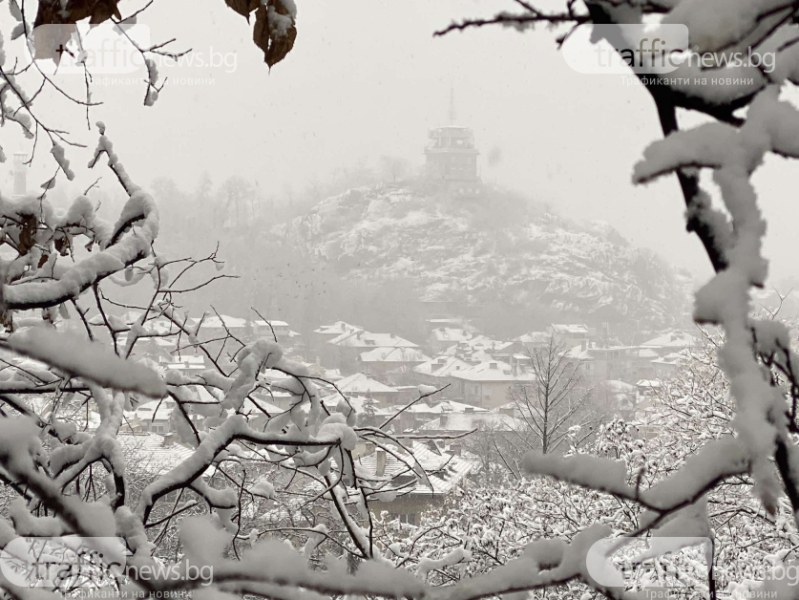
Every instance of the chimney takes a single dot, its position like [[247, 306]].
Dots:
[[380, 462]]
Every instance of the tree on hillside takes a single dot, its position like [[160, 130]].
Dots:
[[556, 401]]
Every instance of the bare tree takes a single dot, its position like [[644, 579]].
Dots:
[[549, 406]]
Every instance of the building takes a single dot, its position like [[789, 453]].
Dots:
[[359, 384], [405, 492], [489, 384], [153, 416], [324, 333], [439, 372], [451, 157], [570, 334], [413, 417], [478, 419], [671, 341], [348, 347], [481, 348], [391, 364], [443, 337]]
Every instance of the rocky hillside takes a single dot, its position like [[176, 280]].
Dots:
[[489, 250]]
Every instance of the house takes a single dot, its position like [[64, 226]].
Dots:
[[359, 384], [185, 363], [671, 341], [439, 372], [391, 364], [435, 323], [570, 334], [666, 366], [320, 337], [413, 417], [600, 363], [581, 359], [153, 416], [480, 348], [443, 337], [271, 329], [530, 342], [475, 420], [489, 383], [649, 388], [349, 346], [328, 332], [404, 492]]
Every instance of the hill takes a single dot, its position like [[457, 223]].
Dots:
[[489, 253]]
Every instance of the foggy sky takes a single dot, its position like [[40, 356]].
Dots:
[[366, 78]]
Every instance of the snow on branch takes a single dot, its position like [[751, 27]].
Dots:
[[544, 563], [89, 360], [130, 242], [593, 472]]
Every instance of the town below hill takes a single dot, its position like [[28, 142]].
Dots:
[[445, 389]]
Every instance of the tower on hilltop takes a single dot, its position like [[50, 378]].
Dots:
[[451, 157]]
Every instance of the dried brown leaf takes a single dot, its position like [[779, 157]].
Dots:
[[271, 34]]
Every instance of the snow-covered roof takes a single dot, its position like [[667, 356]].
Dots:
[[482, 342], [361, 404], [394, 355], [222, 321], [337, 328], [273, 322], [649, 383], [461, 422], [444, 321], [494, 371], [359, 383], [673, 358], [533, 337], [672, 339], [445, 406], [444, 471], [450, 334], [368, 339], [569, 328], [580, 352], [154, 410], [442, 366]]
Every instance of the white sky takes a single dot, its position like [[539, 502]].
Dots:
[[367, 78]]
